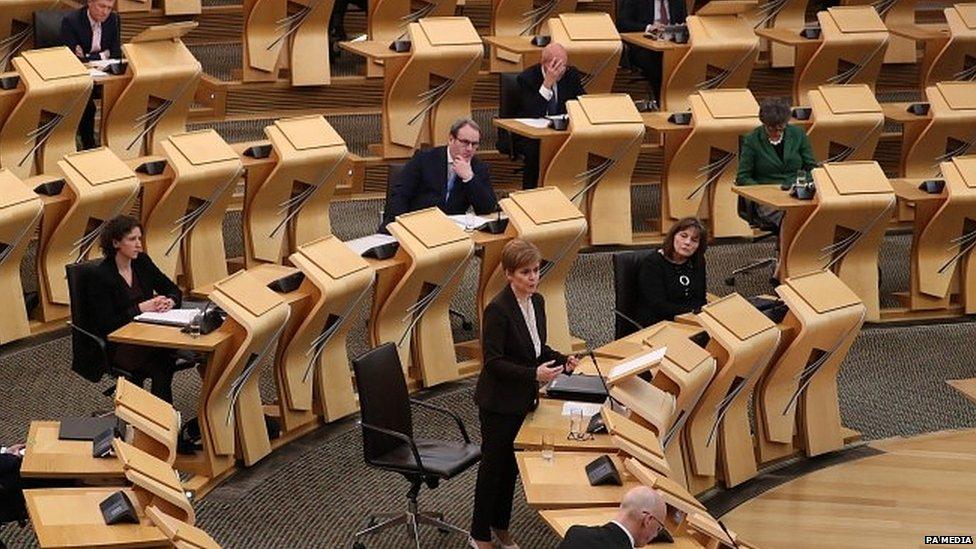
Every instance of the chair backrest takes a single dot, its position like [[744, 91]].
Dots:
[[47, 28], [87, 357], [383, 399], [508, 107], [626, 270]]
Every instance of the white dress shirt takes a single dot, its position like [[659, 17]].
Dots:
[[528, 313], [629, 536]]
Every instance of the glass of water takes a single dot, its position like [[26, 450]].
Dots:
[[548, 446]]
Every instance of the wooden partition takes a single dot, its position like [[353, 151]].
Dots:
[[388, 20], [786, 15], [719, 437], [314, 367], [157, 99], [233, 419], [411, 307], [20, 212], [847, 122], [701, 164], [901, 49], [183, 223], [99, 186], [41, 128], [595, 163], [948, 130], [287, 205], [593, 45], [525, 17], [155, 423], [17, 26], [949, 54], [276, 37], [796, 405]]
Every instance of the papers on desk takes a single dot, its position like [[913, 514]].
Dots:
[[360, 38], [172, 317], [102, 63], [470, 222], [587, 408], [361, 245], [95, 72], [635, 364], [539, 123]]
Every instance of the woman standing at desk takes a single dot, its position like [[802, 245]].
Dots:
[[127, 283], [516, 360], [671, 281]]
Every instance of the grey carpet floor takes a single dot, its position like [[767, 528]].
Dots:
[[314, 492]]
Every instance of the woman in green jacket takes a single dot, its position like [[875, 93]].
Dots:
[[774, 152]]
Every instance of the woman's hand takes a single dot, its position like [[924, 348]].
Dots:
[[546, 372], [165, 303], [571, 363], [158, 304]]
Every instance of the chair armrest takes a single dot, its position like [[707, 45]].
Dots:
[[457, 419], [402, 437], [628, 319], [98, 340]]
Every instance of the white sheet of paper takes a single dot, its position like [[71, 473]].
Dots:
[[96, 72], [534, 122], [360, 245], [640, 361], [175, 317], [470, 222], [588, 408], [102, 63]]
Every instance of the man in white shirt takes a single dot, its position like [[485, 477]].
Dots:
[[92, 33], [640, 517]]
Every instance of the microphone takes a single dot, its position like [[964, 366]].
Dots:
[[603, 379]]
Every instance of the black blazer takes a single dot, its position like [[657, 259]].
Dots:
[[422, 183], [76, 31], [507, 383], [533, 105], [636, 15], [108, 296], [666, 289], [608, 536]]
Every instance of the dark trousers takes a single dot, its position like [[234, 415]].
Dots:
[[650, 64], [86, 126], [495, 487], [529, 149], [158, 365]]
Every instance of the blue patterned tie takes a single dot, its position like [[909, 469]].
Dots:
[[451, 178]]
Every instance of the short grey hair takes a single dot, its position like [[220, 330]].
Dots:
[[774, 111], [462, 122]]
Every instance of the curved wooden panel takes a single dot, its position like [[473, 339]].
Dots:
[[293, 201], [316, 356], [847, 122], [233, 407], [743, 341], [701, 169], [20, 212], [415, 314], [263, 29], [853, 57], [101, 187], [721, 54], [595, 163], [42, 127], [433, 88], [788, 15], [593, 45], [946, 59], [951, 130], [844, 231], [155, 103], [800, 388], [186, 224], [525, 17], [308, 69]]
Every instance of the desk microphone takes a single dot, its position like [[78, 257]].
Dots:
[[727, 533], [603, 379]]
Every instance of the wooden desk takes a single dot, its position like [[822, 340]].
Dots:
[[49, 457], [70, 517], [898, 112], [169, 337], [927, 31], [560, 521], [550, 140], [561, 483], [511, 53], [641, 40], [786, 37], [373, 50], [796, 211], [907, 190], [965, 386], [548, 419], [658, 121]]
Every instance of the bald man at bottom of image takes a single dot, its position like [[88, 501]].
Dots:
[[639, 519]]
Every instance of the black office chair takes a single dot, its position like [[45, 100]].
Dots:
[[389, 444], [47, 28], [626, 271], [89, 355], [509, 106]]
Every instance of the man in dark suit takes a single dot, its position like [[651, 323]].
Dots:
[[544, 90], [649, 16], [93, 33], [640, 517], [450, 177]]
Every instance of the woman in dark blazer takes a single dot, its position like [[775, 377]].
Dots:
[[516, 361], [128, 283], [672, 280]]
